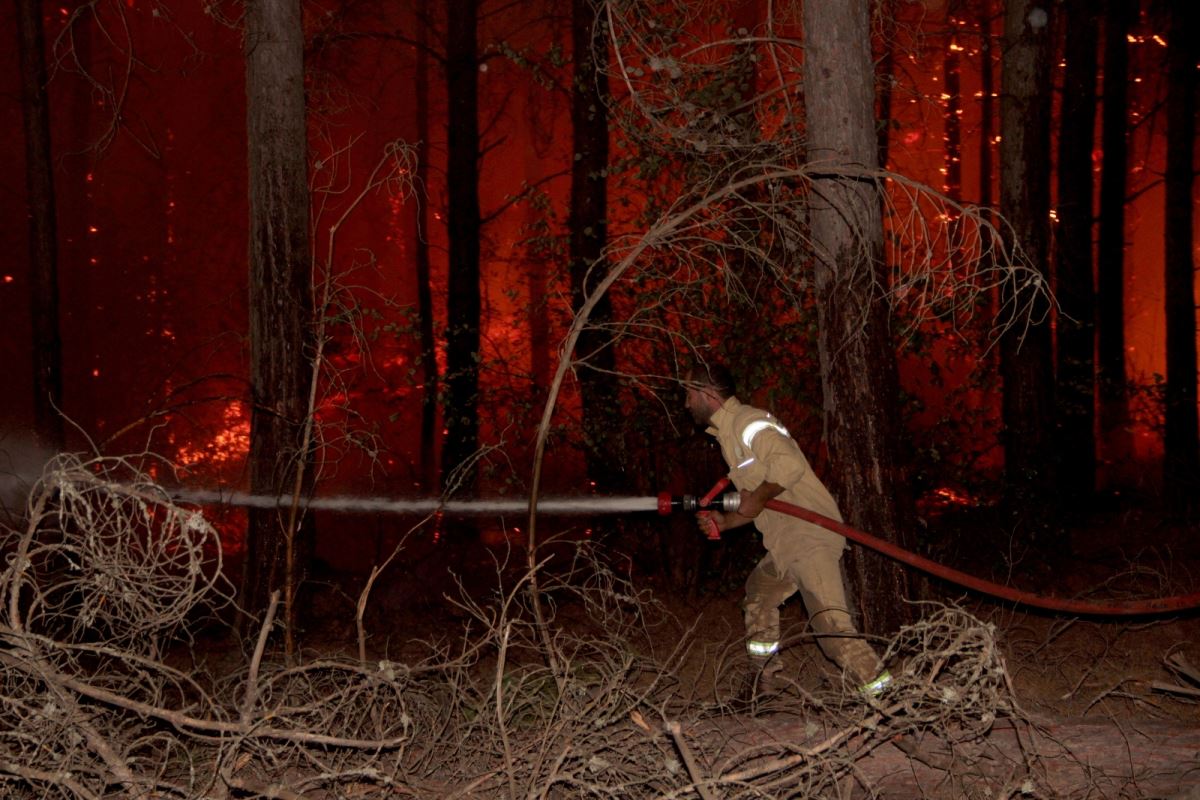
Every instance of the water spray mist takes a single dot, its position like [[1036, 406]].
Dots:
[[663, 504]]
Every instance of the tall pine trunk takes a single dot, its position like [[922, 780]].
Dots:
[[429, 364], [43, 229], [1076, 385], [1110, 271], [858, 362], [1025, 351], [280, 293], [987, 109], [885, 78], [463, 308], [1181, 483], [587, 226]]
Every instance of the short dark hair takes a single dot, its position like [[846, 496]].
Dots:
[[713, 375]]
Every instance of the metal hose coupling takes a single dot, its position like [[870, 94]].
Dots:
[[690, 503]]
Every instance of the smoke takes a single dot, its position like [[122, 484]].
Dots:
[[21, 464]]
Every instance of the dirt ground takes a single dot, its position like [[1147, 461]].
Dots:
[[1081, 685], [1061, 666]]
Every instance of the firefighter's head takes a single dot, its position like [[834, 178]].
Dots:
[[708, 386]]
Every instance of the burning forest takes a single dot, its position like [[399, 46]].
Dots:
[[371, 363]]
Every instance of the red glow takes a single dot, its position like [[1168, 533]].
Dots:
[[396, 361], [185, 291], [944, 499], [228, 445]]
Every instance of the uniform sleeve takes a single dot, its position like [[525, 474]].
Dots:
[[781, 456]]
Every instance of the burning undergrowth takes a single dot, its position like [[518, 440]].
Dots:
[[107, 581]]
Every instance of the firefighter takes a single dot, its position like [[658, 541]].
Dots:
[[766, 463]]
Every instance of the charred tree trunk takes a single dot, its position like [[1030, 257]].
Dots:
[[43, 229], [1181, 484], [987, 109], [538, 314], [587, 226], [987, 128], [1110, 316], [1025, 352], [858, 362], [1076, 386], [463, 306], [885, 80], [280, 288], [429, 365]]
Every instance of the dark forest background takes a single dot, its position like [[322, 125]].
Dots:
[[336, 248]]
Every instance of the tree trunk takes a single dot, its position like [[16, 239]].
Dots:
[[1181, 484], [1076, 385], [858, 363], [280, 288], [987, 109], [587, 226], [1025, 352], [43, 229], [1110, 318], [885, 79], [429, 365], [538, 313], [463, 307]]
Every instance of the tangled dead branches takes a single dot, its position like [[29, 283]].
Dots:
[[103, 587], [107, 586], [950, 688]]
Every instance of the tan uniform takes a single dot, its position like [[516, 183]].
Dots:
[[800, 555]]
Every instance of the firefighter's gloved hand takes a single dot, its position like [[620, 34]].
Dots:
[[711, 523]]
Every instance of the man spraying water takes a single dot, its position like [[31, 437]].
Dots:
[[766, 463]]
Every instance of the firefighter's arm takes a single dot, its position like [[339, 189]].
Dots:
[[753, 502], [749, 507], [723, 520]]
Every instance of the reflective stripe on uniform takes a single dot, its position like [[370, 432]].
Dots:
[[876, 687], [762, 648], [757, 427]]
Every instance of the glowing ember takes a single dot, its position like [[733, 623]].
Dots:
[[944, 499], [228, 445]]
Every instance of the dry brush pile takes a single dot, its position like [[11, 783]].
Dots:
[[107, 582]]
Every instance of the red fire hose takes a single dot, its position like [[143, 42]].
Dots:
[[1158, 605]]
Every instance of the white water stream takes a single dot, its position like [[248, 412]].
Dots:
[[384, 505]]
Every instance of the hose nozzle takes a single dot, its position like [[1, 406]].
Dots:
[[689, 503]]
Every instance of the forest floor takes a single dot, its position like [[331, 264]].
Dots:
[[1098, 675], [1060, 664], [637, 686]]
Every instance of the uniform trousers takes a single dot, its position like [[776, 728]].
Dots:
[[815, 570]]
